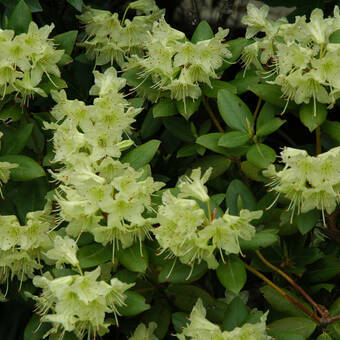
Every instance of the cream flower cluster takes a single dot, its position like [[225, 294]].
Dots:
[[201, 328], [110, 40], [176, 66], [22, 247], [186, 232], [25, 58], [308, 182], [301, 56], [98, 193], [167, 61], [79, 303]]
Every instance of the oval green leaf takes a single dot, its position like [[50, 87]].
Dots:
[[134, 258], [233, 139], [261, 155]]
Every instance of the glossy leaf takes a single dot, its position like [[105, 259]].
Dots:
[[235, 315], [20, 18], [216, 85], [308, 118], [233, 139], [332, 129], [15, 139], [235, 190], [65, 41], [142, 154], [262, 239], [94, 254], [296, 325], [306, 221], [164, 108], [77, 4], [261, 155], [234, 111], [269, 127], [202, 32], [219, 165], [134, 304], [190, 107], [27, 170], [232, 274], [134, 258]]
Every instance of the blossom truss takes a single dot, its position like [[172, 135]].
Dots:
[[23, 247], [25, 58], [186, 232], [201, 328], [301, 57], [175, 67], [308, 182], [110, 40], [98, 193], [79, 303]]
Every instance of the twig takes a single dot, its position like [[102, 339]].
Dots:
[[291, 281], [257, 109], [212, 115], [283, 293], [318, 140]]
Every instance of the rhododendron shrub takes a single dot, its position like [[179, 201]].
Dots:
[[158, 184]]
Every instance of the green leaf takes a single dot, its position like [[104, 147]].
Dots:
[[281, 304], [210, 141], [12, 112], [27, 170], [142, 154], [332, 129], [235, 315], [270, 127], [324, 336], [181, 273], [271, 94], [65, 41], [217, 85], [160, 313], [53, 83], [267, 113], [94, 254], [185, 297], [28, 196], [253, 172], [164, 108], [187, 150], [218, 163], [316, 288], [243, 80], [135, 304], [308, 118], [289, 336], [150, 125], [190, 107], [233, 139], [262, 239], [33, 5], [179, 127], [134, 258], [261, 155], [15, 139], [203, 32], [77, 4], [235, 190], [20, 18], [334, 38], [323, 270], [306, 221], [234, 111], [232, 274], [300, 326], [179, 321], [33, 331]]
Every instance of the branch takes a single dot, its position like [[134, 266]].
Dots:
[[212, 115]]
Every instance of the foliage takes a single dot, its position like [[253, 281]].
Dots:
[[142, 193]]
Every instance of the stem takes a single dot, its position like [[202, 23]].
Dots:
[[318, 140], [257, 109], [124, 15], [291, 281], [212, 115], [283, 293]]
